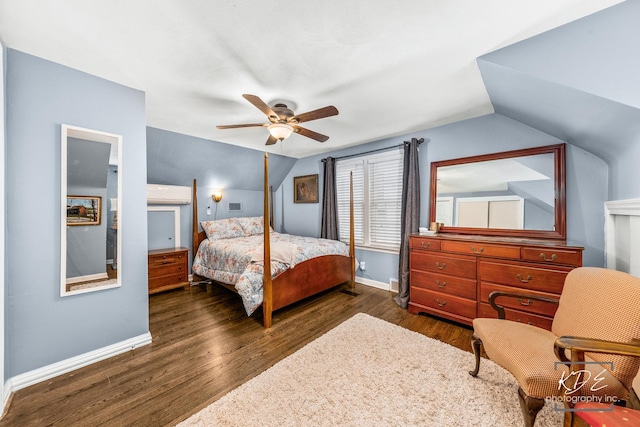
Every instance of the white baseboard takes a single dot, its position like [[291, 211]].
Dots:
[[42, 374], [373, 283]]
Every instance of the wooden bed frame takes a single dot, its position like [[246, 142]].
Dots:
[[307, 278]]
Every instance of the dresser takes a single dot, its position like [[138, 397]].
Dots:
[[452, 275], [168, 269]]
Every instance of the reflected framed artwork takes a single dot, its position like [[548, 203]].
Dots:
[[305, 189], [84, 210]]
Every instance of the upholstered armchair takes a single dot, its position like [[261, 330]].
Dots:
[[594, 333]]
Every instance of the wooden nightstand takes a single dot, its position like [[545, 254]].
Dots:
[[168, 269]]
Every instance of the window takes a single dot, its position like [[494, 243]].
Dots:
[[377, 199]]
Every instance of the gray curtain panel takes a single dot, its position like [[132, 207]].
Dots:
[[410, 215], [329, 227]]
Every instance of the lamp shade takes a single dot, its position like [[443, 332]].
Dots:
[[280, 130], [217, 195]]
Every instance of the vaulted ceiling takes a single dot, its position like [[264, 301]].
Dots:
[[389, 68]]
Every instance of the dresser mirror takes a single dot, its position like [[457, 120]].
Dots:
[[90, 225], [518, 193]]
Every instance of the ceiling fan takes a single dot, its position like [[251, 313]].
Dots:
[[283, 121]]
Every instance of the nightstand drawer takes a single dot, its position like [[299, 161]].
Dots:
[[162, 259], [164, 269], [171, 279]]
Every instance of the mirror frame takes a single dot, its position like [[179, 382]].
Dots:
[[97, 136], [559, 233]]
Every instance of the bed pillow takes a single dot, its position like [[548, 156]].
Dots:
[[222, 229], [252, 225]]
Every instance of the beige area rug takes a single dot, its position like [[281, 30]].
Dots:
[[368, 372]]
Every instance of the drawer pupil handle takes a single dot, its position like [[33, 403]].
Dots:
[[441, 285], [425, 245], [476, 251], [441, 267], [527, 280], [525, 303], [544, 257], [440, 304]]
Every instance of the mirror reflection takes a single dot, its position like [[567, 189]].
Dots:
[[90, 186], [513, 193], [516, 193]]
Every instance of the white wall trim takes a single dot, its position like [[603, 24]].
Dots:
[[42, 374], [373, 283], [631, 208]]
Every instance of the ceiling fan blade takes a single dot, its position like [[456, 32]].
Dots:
[[248, 125], [310, 134], [271, 140], [315, 114], [262, 106]]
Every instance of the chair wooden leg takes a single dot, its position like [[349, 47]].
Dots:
[[530, 407], [476, 343]]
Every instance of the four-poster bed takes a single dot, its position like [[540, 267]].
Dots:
[[305, 278]]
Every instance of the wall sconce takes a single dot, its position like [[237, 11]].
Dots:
[[216, 196]]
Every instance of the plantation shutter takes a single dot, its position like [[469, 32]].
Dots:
[[343, 170], [377, 192], [385, 200]]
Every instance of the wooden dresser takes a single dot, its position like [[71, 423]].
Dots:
[[452, 275], [168, 269]]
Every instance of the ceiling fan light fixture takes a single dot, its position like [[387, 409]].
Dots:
[[280, 130]]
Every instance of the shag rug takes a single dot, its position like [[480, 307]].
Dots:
[[368, 372]]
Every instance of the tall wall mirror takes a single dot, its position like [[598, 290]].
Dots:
[[90, 186], [518, 193]]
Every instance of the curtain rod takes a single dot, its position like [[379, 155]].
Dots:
[[420, 141]]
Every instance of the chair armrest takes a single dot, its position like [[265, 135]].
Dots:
[[578, 346], [500, 309]]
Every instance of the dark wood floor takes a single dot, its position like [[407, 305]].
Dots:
[[203, 346]]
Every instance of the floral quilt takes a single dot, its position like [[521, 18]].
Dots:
[[230, 261]]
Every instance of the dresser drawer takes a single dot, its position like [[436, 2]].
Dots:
[[481, 249], [524, 304], [485, 310], [458, 286], [527, 276], [444, 302], [553, 256], [424, 243], [444, 263]]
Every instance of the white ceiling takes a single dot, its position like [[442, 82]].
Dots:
[[389, 67]]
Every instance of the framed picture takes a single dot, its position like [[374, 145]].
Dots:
[[84, 210], [305, 189]]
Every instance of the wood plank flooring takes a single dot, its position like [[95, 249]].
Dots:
[[204, 346]]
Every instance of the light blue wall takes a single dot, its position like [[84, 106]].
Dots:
[[41, 327], [587, 178], [177, 159], [579, 83]]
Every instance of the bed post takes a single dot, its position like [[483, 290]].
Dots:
[[194, 222], [352, 245], [267, 285]]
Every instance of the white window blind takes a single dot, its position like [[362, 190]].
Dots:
[[377, 187]]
